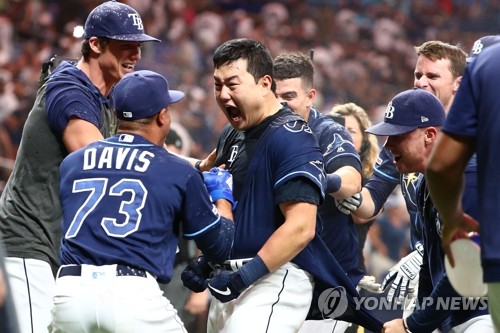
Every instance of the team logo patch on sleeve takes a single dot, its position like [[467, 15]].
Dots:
[[297, 126]]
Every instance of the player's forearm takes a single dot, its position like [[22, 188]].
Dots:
[[367, 208], [292, 236], [225, 208], [350, 182]]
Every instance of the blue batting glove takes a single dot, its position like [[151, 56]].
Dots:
[[219, 183], [227, 286], [194, 276]]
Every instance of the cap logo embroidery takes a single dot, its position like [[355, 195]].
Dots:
[[477, 48], [424, 119], [137, 20], [389, 112], [127, 114]]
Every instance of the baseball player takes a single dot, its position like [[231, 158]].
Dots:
[[412, 122], [294, 73], [123, 200], [277, 258], [70, 111], [472, 126], [438, 70]]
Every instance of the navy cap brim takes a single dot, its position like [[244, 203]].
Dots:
[[175, 95], [135, 38], [388, 129]]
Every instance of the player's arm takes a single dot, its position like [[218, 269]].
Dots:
[[79, 133], [445, 179], [292, 236], [344, 182]]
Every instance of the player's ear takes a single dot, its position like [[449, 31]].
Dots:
[[163, 117], [266, 83], [311, 96], [431, 134], [95, 44]]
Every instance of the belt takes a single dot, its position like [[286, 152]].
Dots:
[[121, 270]]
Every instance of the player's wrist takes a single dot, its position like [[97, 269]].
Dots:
[[405, 326], [333, 183], [222, 194], [197, 165], [249, 273]]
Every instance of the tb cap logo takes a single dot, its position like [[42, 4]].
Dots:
[[137, 20], [389, 111]]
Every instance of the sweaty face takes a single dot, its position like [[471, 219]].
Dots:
[[352, 125], [238, 96], [408, 150], [119, 58], [436, 78], [293, 93]]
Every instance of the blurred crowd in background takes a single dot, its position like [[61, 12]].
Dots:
[[363, 51]]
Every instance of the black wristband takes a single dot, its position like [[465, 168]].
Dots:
[[197, 165]]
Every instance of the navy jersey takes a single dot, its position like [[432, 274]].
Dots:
[[339, 232], [279, 151], [123, 201], [475, 113], [433, 280], [384, 180]]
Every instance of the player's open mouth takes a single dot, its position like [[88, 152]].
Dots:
[[129, 67], [233, 113]]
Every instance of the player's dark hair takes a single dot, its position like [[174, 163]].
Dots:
[[260, 61], [87, 51], [437, 50], [294, 65]]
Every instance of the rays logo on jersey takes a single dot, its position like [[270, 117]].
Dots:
[[337, 145], [297, 126], [409, 187]]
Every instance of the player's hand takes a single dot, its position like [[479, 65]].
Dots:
[[224, 285], [219, 183], [228, 285], [349, 205], [194, 276], [368, 283], [403, 277]]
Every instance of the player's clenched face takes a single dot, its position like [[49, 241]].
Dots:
[[436, 78], [119, 58], [239, 96], [409, 150], [298, 98]]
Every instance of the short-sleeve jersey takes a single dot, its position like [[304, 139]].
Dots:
[[338, 232], [292, 152], [475, 113], [262, 160], [124, 199], [30, 211]]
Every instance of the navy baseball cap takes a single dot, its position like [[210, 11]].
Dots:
[[118, 21], [142, 94], [481, 44], [409, 110]]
